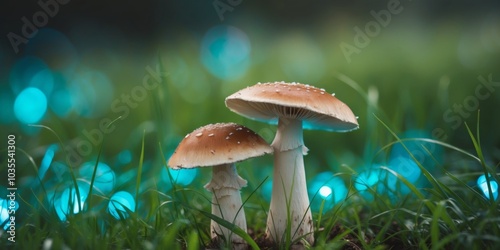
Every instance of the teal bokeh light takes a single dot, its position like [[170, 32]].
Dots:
[[7, 103], [31, 71], [69, 203], [47, 160], [225, 52], [120, 203], [104, 180], [406, 168], [124, 157], [5, 207], [483, 185], [370, 181], [30, 105], [327, 188], [91, 93], [182, 177], [425, 152]]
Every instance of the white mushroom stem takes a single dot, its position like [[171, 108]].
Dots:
[[289, 185], [226, 201]]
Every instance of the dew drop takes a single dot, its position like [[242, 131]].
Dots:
[[199, 134]]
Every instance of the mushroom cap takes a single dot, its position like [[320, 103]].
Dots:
[[217, 144], [314, 106]]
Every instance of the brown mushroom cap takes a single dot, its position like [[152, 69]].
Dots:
[[217, 144], [315, 107]]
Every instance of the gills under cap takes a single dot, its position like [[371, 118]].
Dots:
[[314, 106], [217, 144]]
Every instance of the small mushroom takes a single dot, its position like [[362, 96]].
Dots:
[[221, 145], [293, 106]]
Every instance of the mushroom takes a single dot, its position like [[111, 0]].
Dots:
[[293, 106], [221, 145]]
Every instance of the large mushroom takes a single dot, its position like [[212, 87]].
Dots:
[[293, 106], [221, 145]]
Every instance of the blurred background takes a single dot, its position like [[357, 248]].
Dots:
[[104, 75]]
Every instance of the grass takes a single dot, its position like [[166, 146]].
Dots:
[[444, 210], [448, 213]]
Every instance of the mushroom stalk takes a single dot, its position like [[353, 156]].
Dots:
[[226, 202], [289, 185]]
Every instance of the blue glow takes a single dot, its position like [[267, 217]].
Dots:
[[7, 104], [483, 185], [68, 202], [119, 203], [181, 177], [125, 157], [418, 149], [25, 69], [5, 206], [329, 189], [104, 180], [61, 101], [367, 179], [225, 52], [267, 190], [47, 160], [406, 168], [92, 94], [30, 105], [55, 48], [43, 80]]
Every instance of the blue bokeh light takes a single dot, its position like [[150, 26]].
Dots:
[[30, 70], [267, 190], [120, 203], [124, 157], [61, 101], [407, 169], [418, 148], [69, 203], [30, 105], [225, 52], [92, 94], [369, 181], [104, 180], [47, 160], [483, 185], [181, 177], [5, 206], [327, 188], [7, 103]]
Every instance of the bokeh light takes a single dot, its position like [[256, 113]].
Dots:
[[7, 104], [406, 168], [68, 203], [326, 188], [181, 177], [47, 160], [124, 157], [483, 185], [120, 203], [30, 105], [426, 153], [92, 94], [267, 190], [369, 181], [104, 180], [31, 71], [61, 101], [225, 52], [5, 207]]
